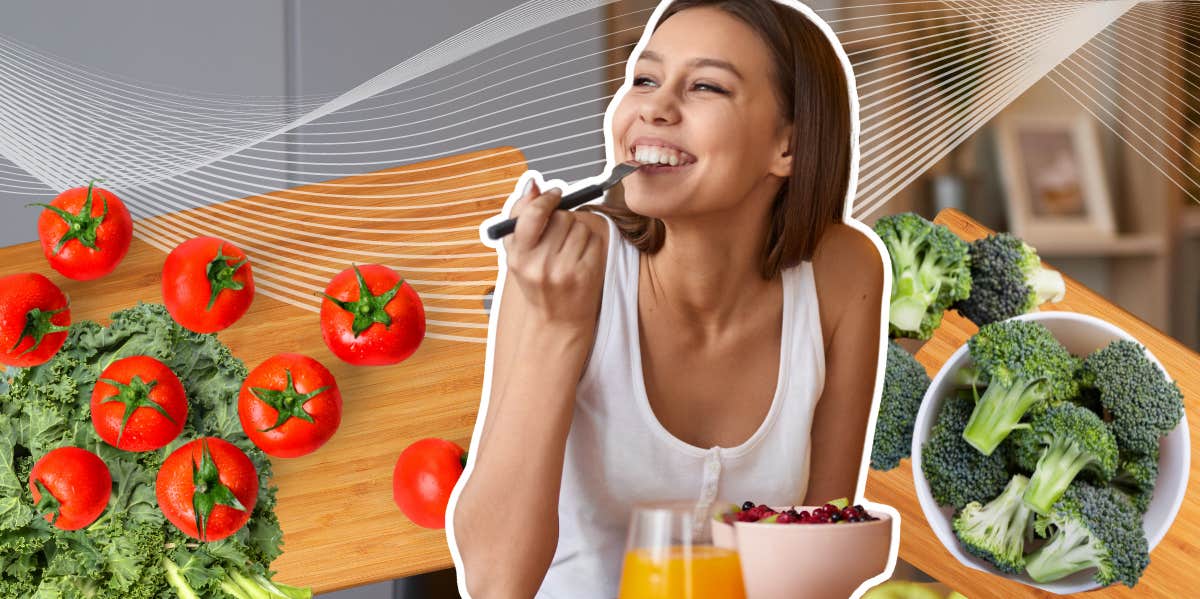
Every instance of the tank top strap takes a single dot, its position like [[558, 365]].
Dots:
[[616, 280], [808, 336]]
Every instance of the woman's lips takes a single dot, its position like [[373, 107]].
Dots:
[[660, 169]]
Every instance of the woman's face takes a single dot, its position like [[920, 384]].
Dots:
[[702, 96]]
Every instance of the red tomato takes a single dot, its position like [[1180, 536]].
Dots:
[[85, 232], [370, 316], [138, 404], [207, 284], [34, 317], [423, 478], [229, 486], [71, 487], [290, 405]]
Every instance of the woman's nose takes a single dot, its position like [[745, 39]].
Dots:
[[659, 108]]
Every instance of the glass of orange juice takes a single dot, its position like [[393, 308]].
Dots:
[[670, 555]]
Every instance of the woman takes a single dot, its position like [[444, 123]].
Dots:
[[715, 336]]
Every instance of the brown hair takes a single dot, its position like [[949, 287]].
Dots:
[[813, 94]]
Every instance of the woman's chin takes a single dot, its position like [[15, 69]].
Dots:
[[659, 207]]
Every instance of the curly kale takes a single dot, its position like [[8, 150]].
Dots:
[[131, 551], [904, 385], [931, 270]]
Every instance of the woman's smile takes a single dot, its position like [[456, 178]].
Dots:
[[701, 112], [660, 156]]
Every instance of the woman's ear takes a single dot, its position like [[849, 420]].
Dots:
[[781, 164]]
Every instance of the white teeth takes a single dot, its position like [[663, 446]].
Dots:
[[659, 155]]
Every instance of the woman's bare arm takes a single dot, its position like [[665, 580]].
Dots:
[[850, 274], [505, 521]]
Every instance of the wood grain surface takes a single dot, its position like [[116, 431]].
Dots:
[[1172, 573], [341, 527]]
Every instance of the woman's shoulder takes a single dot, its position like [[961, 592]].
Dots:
[[847, 269], [848, 250]]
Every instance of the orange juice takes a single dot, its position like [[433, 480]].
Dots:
[[678, 572]]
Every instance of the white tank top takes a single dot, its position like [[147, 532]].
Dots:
[[619, 454]]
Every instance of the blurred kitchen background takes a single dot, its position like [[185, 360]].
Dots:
[[1127, 230]]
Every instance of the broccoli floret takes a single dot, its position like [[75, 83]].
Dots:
[[904, 385], [1025, 366], [1137, 397], [1025, 450], [1072, 439], [1094, 527], [1135, 478], [1007, 280], [957, 473], [931, 270], [997, 531]]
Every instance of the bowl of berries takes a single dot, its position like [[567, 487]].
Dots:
[[793, 551], [1052, 449]]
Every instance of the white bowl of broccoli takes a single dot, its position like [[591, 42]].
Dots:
[[1093, 474]]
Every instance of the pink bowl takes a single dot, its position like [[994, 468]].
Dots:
[[817, 561]]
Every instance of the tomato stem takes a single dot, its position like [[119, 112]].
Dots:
[[82, 226], [209, 491], [37, 325], [220, 275], [288, 402], [135, 394], [368, 309]]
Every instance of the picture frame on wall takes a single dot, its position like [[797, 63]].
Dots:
[[1053, 174]]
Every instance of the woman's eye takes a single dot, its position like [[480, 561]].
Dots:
[[639, 81], [710, 87]]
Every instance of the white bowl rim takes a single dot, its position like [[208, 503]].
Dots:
[[929, 506]]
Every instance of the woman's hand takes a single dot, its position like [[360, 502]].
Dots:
[[556, 260], [545, 328]]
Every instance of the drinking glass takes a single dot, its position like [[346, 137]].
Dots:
[[669, 554]]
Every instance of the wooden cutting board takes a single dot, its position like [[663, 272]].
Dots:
[[341, 527], [1172, 572]]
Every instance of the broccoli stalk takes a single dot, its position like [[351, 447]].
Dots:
[[999, 412], [930, 271], [235, 583], [1048, 285], [1025, 366], [1072, 439], [904, 385], [996, 532], [1007, 280], [1094, 528], [970, 377]]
